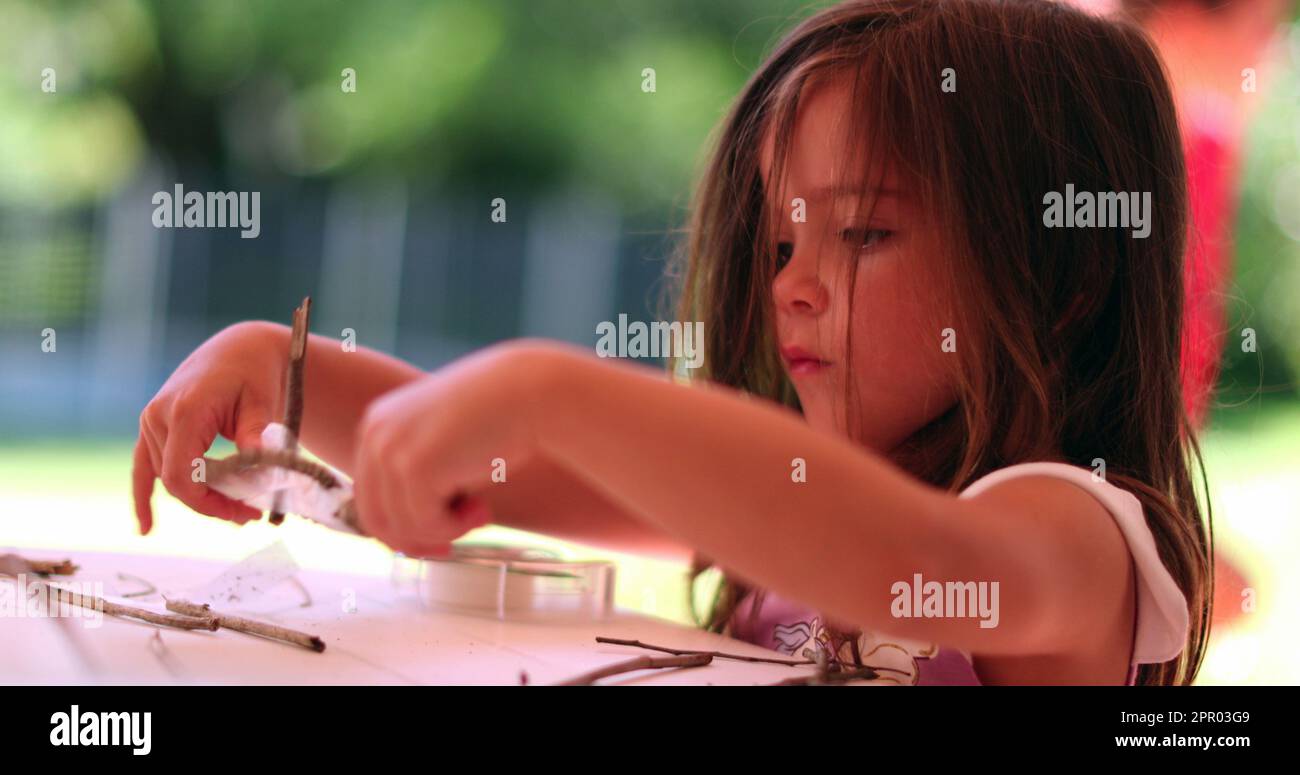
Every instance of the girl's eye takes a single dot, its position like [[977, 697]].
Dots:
[[784, 252], [864, 239]]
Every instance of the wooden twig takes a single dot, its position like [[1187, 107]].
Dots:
[[277, 458], [824, 674], [94, 603], [638, 663], [293, 390], [16, 566], [290, 461], [46, 567], [717, 654], [822, 678], [250, 626]]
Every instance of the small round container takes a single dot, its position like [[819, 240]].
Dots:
[[504, 582]]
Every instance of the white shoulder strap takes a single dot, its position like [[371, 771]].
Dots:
[[1162, 608]]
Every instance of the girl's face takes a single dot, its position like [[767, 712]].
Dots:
[[895, 307]]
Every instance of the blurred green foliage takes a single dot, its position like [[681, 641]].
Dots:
[[480, 91], [1265, 294]]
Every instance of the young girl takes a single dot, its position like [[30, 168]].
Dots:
[[909, 378]]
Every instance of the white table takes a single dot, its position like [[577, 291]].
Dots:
[[375, 633]]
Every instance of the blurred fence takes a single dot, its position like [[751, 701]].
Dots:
[[415, 272]]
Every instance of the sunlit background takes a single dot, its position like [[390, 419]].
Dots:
[[376, 203]]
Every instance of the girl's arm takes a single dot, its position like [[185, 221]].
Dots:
[[339, 385], [547, 498], [713, 469]]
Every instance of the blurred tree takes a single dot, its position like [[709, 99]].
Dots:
[[457, 91]]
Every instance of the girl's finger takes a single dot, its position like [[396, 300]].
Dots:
[[424, 549], [366, 493], [457, 516], [142, 479], [248, 430], [400, 518], [190, 437], [471, 511], [401, 512], [186, 442], [420, 514], [214, 504], [154, 435]]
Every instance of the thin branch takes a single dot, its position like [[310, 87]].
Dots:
[[250, 626], [717, 654], [821, 678], [46, 567], [824, 674], [131, 612], [293, 394], [277, 458], [16, 566], [290, 461], [638, 663]]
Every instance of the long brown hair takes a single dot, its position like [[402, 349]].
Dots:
[[1071, 336]]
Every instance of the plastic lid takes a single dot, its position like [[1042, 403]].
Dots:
[[511, 582]]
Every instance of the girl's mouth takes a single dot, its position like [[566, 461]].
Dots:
[[801, 362]]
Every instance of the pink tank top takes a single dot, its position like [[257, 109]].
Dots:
[[1160, 633]]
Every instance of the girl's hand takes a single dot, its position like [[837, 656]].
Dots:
[[425, 448], [229, 385]]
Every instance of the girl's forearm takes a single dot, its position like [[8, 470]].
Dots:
[[338, 385], [543, 497], [716, 470]]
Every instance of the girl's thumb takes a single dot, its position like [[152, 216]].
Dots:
[[248, 433]]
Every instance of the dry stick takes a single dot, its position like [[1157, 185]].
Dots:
[[46, 567], [823, 671], [824, 676], [290, 461], [116, 609], [843, 676], [718, 654], [52, 568], [16, 566], [292, 417], [638, 663], [240, 624], [278, 458]]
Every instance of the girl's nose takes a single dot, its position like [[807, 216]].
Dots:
[[798, 287]]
